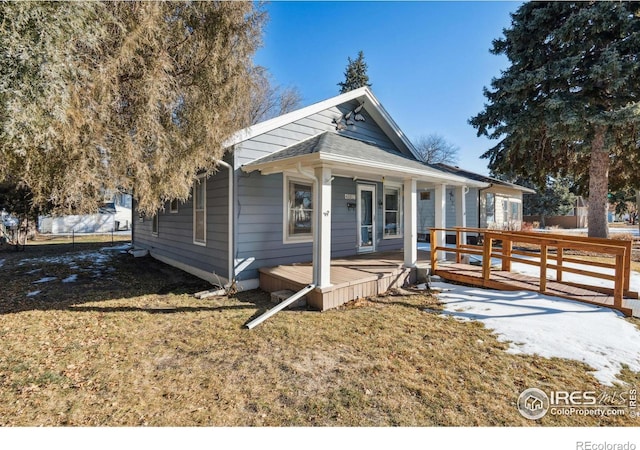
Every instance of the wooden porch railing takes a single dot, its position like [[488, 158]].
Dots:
[[618, 250]]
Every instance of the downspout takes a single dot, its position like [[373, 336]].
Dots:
[[479, 203], [230, 249], [280, 306]]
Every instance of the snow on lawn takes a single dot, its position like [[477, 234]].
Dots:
[[551, 327], [45, 280], [33, 293], [71, 278]]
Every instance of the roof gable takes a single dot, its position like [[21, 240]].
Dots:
[[344, 105]]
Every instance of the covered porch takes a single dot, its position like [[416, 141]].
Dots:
[[380, 189]]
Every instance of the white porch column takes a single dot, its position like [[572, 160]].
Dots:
[[410, 223], [440, 214], [461, 211], [322, 228]]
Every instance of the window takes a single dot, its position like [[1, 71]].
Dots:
[[392, 212], [154, 224], [490, 208], [200, 211], [515, 211], [298, 210], [505, 212], [173, 206]]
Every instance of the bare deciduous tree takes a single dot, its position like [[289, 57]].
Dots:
[[434, 149], [270, 100]]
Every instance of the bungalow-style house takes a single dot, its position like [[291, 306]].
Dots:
[[332, 180], [497, 205]]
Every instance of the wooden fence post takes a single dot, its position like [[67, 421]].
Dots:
[[559, 263], [487, 249], [433, 244], [543, 268], [620, 279], [507, 246]]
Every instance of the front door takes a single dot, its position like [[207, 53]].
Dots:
[[366, 218]]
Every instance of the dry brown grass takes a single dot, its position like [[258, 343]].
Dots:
[[131, 346]]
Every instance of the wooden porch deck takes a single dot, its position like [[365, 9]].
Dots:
[[355, 277]]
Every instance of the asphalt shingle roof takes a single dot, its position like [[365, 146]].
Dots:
[[336, 144]]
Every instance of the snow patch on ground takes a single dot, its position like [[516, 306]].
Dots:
[[97, 258], [123, 247], [33, 293], [45, 280], [533, 323], [71, 278]]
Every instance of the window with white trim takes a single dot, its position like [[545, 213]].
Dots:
[[173, 206], [200, 211], [298, 210], [392, 211]]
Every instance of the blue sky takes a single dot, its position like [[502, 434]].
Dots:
[[427, 61]]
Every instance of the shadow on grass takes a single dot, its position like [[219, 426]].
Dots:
[[61, 280]]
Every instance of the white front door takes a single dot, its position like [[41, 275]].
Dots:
[[366, 218]]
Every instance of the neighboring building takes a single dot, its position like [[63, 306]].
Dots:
[[113, 215], [576, 218], [334, 179], [498, 205]]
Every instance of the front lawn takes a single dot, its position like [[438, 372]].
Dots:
[[97, 337]]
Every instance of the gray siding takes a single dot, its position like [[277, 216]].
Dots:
[[259, 225], [175, 231], [427, 208], [294, 132]]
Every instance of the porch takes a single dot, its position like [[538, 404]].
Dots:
[[354, 277]]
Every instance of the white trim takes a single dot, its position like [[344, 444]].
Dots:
[[382, 168], [400, 219], [211, 277], [374, 200], [201, 179], [286, 238], [410, 243], [322, 228]]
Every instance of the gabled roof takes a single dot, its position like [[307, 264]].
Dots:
[[482, 178], [332, 148], [363, 95]]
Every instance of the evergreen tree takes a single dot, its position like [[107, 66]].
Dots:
[[355, 75], [554, 198], [100, 95], [569, 102]]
